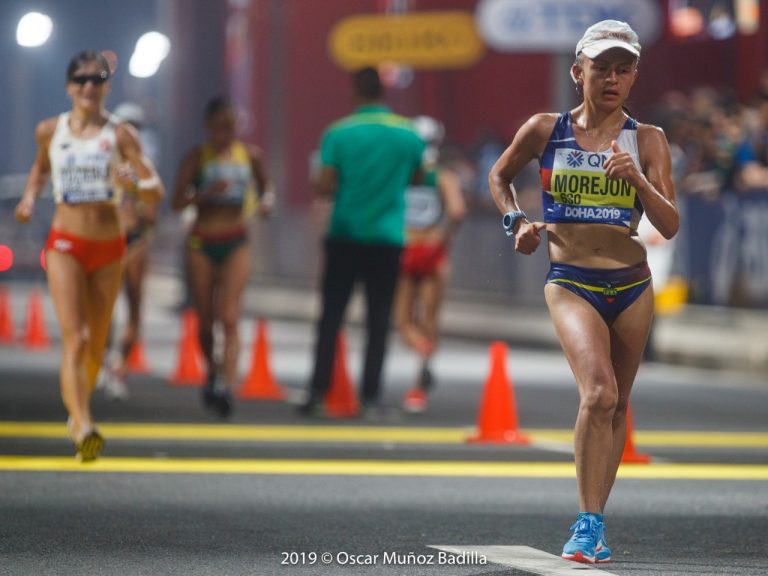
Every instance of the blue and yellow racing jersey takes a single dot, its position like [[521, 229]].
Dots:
[[575, 188], [234, 170]]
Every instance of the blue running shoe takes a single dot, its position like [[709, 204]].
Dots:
[[582, 544], [602, 552]]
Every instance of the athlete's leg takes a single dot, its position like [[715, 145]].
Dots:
[[629, 334], [586, 341], [202, 277], [406, 316], [66, 284], [405, 312], [101, 290], [235, 273], [136, 266], [431, 292]]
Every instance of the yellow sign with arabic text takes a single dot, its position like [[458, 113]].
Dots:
[[426, 40]]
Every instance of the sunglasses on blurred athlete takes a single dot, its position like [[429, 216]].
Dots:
[[95, 79]]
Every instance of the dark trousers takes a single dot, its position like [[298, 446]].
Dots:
[[377, 266]]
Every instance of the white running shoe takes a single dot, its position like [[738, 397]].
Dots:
[[115, 388]]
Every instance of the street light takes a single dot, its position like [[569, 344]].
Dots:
[[34, 29], [151, 49]]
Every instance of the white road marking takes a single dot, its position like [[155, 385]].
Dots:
[[525, 558]]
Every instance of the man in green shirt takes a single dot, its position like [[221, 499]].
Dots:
[[367, 160]]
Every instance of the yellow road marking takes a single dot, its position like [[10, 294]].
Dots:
[[364, 434], [672, 438], [246, 433], [375, 468]]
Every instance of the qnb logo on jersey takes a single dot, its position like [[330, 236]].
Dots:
[[597, 160], [105, 145], [62, 245], [575, 159]]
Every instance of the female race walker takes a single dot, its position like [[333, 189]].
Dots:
[[218, 177], [600, 170], [434, 211], [92, 159], [138, 220]]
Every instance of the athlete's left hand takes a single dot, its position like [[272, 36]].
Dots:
[[266, 204], [125, 176], [621, 166]]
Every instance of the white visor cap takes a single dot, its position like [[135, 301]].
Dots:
[[608, 34]]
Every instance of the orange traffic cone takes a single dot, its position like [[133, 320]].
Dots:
[[259, 384], [6, 318], [630, 455], [189, 370], [36, 334], [497, 421], [136, 363], [340, 401]]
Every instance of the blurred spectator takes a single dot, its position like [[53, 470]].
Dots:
[[138, 221], [717, 145], [366, 161], [434, 211]]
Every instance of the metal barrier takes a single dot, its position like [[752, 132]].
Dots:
[[725, 249]]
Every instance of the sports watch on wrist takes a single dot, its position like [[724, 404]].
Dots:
[[510, 219]]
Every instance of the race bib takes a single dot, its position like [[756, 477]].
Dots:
[[581, 192], [86, 178]]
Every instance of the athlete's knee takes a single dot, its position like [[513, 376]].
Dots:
[[601, 398], [75, 341], [229, 324]]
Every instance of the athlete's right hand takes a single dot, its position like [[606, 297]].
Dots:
[[528, 237], [24, 210]]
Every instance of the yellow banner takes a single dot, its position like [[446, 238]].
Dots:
[[426, 40]]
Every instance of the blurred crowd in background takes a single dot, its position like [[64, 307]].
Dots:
[[718, 145]]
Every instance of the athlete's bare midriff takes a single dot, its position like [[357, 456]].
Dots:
[[594, 245], [97, 220], [431, 235], [214, 218]]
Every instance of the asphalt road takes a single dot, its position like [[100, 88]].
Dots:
[[180, 492]]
